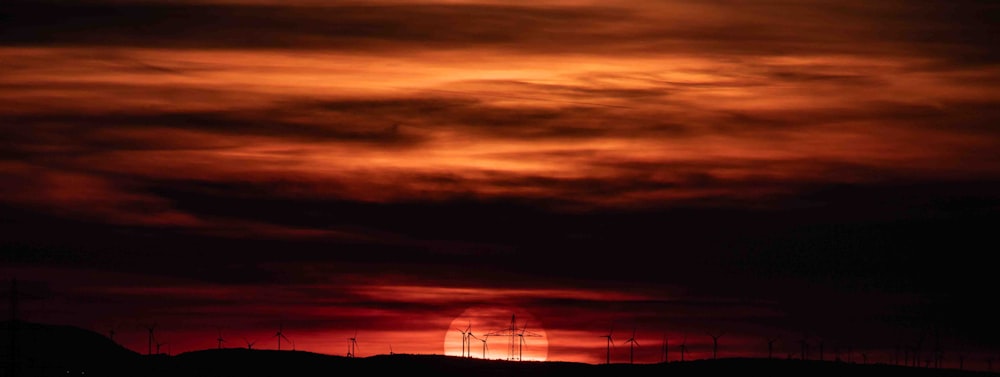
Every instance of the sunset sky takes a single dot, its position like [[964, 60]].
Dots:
[[816, 169]]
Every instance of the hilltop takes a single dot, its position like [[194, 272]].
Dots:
[[44, 349], [49, 350]]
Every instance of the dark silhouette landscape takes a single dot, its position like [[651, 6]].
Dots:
[[54, 350]]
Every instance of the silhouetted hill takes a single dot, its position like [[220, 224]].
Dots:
[[243, 362], [52, 350]]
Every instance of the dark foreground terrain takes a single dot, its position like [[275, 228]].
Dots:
[[48, 350]]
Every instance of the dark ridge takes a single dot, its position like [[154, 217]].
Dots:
[[50, 350], [44, 350]]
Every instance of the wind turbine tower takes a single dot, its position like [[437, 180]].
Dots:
[[483, 339], [804, 348], [770, 347], [683, 346], [611, 343], [666, 350], [631, 348], [281, 335], [715, 344], [150, 339], [220, 339], [352, 345], [465, 338], [521, 342]]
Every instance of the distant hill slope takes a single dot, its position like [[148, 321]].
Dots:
[[48, 350], [45, 349], [242, 362]]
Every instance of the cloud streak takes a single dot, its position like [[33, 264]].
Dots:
[[714, 27]]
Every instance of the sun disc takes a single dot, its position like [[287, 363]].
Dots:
[[497, 333]]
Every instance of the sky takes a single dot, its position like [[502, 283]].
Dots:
[[399, 171]]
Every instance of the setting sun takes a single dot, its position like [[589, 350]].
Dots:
[[498, 334]]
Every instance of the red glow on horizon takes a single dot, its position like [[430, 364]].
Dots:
[[512, 339]]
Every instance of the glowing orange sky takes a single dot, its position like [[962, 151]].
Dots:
[[571, 106], [328, 116]]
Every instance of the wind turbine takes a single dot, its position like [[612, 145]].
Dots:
[[611, 343], [520, 344], [521, 341], [715, 344], [220, 339], [938, 352], [465, 337], [770, 346], [352, 345], [150, 328], [631, 347], [666, 349], [683, 346], [281, 335], [470, 336], [158, 344], [483, 339], [916, 349], [820, 349], [805, 347], [249, 343]]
